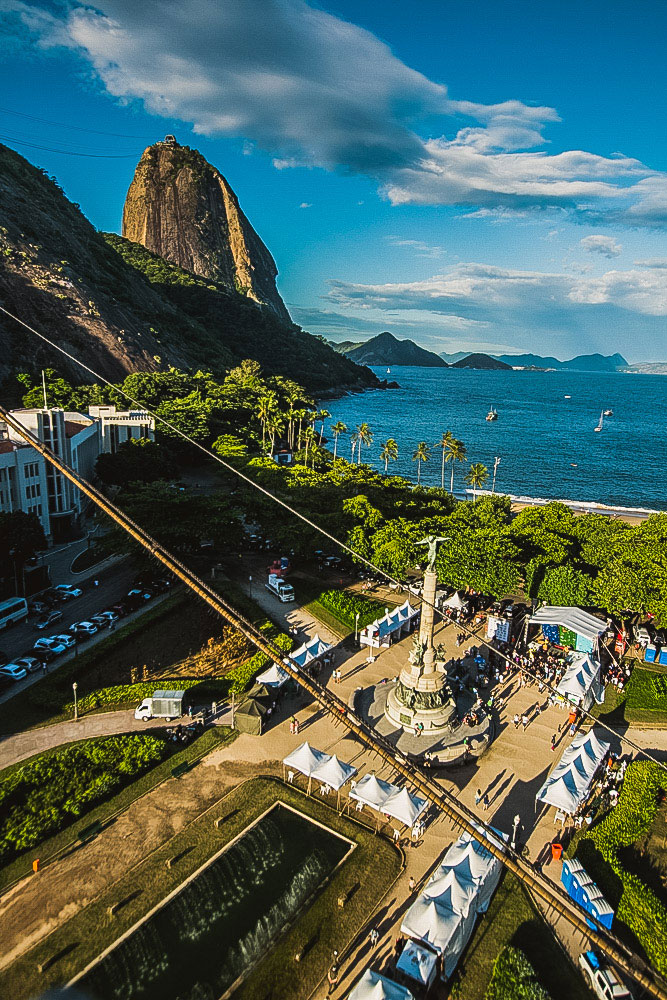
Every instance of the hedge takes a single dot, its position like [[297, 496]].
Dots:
[[241, 676], [345, 605], [53, 788], [647, 689], [514, 978], [638, 908]]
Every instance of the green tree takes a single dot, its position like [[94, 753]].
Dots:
[[21, 536], [230, 446], [389, 452], [267, 408], [337, 429], [476, 476], [137, 460], [364, 436], [443, 446], [419, 455], [456, 452]]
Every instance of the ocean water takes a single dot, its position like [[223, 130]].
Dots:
[[546, 443]]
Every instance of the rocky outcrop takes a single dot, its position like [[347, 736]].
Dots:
[[182, 208]]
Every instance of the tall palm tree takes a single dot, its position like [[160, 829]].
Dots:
[[443, 446], [299, 417], [421, 454], [389, 452], [337, 429], [365, 437], [309, 437], [321, 415], [354, 441], [267, 406], [274, 425], [476, 476], [456, 453]]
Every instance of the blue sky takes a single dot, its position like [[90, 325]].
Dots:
[[475, 176]]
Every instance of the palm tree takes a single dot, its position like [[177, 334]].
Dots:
[[364, 436], [476, 476], [456, 453], [274, 425], [299, 417], [321, 415], [421, 454], [309, 438], [336, 429], [389, 452], [354, 441], [267, 406], [443, 445]]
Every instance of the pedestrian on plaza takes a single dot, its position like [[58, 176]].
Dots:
[[190, 710], [374, 937], [415, 832], [412, 885], [553, 742], [96, 583], [44, 666], [332, 978], [478, 796], [296, 727], [524, 722], [485, 802], [397, 835], [517, 720]]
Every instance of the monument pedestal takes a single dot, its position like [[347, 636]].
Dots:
[[422, 700]]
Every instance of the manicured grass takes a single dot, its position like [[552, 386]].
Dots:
[[512, 919], [51, 848], [643, 703], [369, 871]]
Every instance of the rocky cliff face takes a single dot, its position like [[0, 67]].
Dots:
[[182, 208]]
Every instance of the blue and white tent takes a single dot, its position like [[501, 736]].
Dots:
[[568, 785], [311, 650], [393, 623]]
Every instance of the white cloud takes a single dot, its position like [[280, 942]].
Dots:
[[421, 248], [605, 245], [315, 90], [306, 204]]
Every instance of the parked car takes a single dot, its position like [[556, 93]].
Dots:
[[48, 619], [13, 671], [65, 640], [67, 591], [51, 646], [105, 618], [136, 597], [29, 663], [82, 629]]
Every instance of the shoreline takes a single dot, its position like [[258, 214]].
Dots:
[[633, 515]]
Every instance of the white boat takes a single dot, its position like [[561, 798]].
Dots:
[[567, 397], [388, 371], [599, 426], [492, 414], [609, 413]]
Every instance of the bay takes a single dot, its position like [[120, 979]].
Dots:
[[546, 442]]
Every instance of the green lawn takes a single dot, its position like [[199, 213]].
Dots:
[[369, 872], [513, 919], [642, 703], [337, 609], [50, 849]]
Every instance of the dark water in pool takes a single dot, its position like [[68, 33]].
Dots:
[[222, 922]]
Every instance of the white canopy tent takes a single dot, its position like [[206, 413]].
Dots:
[[273, 677], [373, 792], [475, 870], [583, 624], [334, 773], [306, 760], [580, 684], [443, 928], [404, 806], [310, 650], [373, 986], [454, 601], [568, 785], [418, 963], [379, 632]]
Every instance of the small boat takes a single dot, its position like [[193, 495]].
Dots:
[[388, 371], [573, 465], [609, 413], [492, 414], [567, 397], [599, 426]]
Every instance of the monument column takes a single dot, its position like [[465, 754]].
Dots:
[[426, 623]]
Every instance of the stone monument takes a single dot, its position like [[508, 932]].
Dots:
[[422, 699]]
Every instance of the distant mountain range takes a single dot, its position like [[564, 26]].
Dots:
[[582, 363], [482, 361], [385, 349]]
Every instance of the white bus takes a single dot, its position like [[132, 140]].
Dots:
[[13, 610]]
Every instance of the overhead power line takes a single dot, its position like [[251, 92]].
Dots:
[[74, 128], [68, 152], [447, 803], [403, 585]]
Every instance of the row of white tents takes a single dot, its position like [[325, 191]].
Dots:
[[444, 915], [275, 676], [569, 784], [393, 624], [581, 685]]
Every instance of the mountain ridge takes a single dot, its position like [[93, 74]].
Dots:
[[386, 349]]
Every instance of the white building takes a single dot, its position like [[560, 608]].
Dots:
[[29, 483]]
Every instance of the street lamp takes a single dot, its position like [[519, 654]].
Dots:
[[76, 707], [496, 463], [250, 582], [515, 830], [356, 626]]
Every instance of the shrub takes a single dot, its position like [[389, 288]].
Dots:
[[47, 792], [514, 978], [639, 908], [648, 690], [242, 675], [344, 606]]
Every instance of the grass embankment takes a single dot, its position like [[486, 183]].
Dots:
[[514, 978], [512, 919], [365, 876], [641, 916], [150, 645], [70, 835], [337, 610], [642, 703]]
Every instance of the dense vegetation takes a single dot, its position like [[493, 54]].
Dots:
[[47, 792], [346, 605], [514, 978], [599, 848]]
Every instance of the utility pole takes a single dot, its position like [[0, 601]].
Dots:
[[232, 708], [44, 388], [356, 626], [496, 463], [250, 582], [76, 705]]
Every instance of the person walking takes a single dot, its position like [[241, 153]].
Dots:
[[553, 742], [485, 802], [332, 977], [517, 720], [524, 722], [412, 885], [374, 937], [478, 796]]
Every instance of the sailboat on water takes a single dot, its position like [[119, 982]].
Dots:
[[599, 426]]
